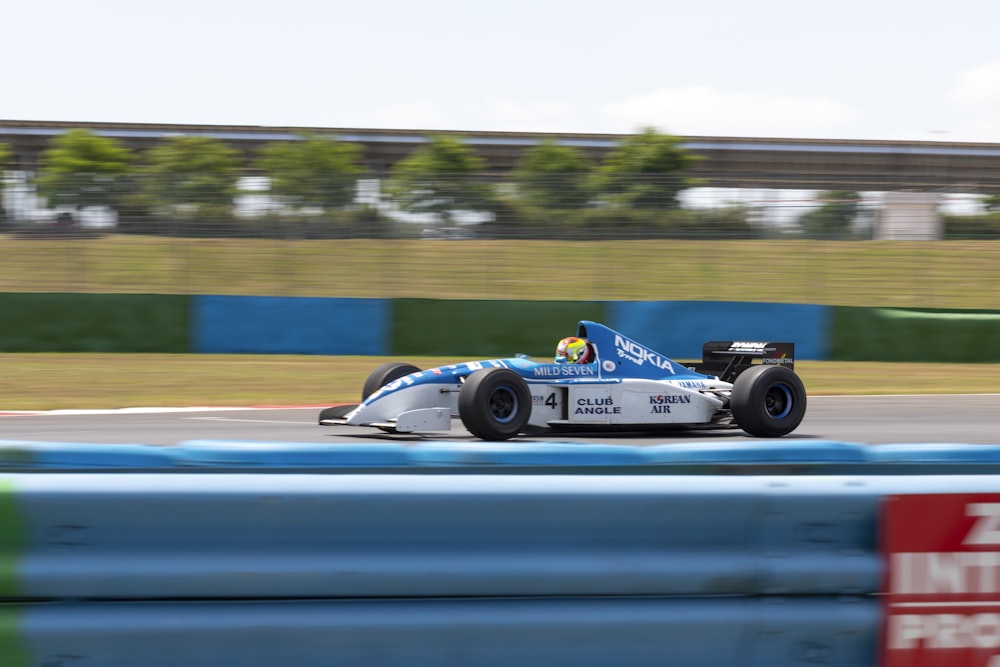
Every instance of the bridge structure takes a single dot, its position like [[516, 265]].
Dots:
[[726, 162]]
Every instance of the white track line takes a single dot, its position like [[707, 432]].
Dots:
[[235, 408]]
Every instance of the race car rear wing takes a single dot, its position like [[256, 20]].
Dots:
[[729, 358]]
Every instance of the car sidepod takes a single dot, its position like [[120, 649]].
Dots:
[[641, 402]]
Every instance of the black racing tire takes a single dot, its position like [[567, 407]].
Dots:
[[384, 374], [768, 401], [494, 403]]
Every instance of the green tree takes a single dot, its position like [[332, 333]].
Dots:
[[647, 170], [992, 203], [315, 171], [835, 216], [551, 175], [193, 177], [83, 169], [440, 177]]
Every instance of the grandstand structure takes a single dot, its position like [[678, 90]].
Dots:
[[726, 162]]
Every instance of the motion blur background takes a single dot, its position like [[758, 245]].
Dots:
[[171, 209]]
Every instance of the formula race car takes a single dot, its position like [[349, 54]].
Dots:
[[625, 386]]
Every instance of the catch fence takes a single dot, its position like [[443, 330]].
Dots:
[[862, 249]]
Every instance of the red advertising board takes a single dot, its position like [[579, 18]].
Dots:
[[942, 587]]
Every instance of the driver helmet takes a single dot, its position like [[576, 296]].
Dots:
[[573, 350]]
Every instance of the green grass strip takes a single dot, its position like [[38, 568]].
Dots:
[[903, 274]]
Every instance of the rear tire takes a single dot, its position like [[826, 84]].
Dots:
[[384, 374], [768, 401], [494, 403]]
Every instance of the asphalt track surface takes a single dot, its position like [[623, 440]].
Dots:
[[971, 419]]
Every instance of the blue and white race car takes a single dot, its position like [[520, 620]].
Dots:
[[627, 386]]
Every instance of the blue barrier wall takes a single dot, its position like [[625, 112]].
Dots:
[[302, 325], [479, 329], [436, 570], [785, 457], [290, 325], [172, 536], [191, 561], [679, 328], [579, 632]]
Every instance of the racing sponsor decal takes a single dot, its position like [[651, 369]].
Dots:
[[548, 401], [565, 370], [408, 380], [474, 365], [608, 366], [772, 353], [778, 361], [639, 355], [660, 405], [690, 384], [597, 406], [747, 346]]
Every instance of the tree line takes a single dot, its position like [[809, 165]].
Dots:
[[189, 183], [316, 177]]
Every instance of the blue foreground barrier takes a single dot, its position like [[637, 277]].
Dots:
[[257, 455], [578, 632], [787, 456], [544, 569], [237, 536], [701, 554], [243, 536], [29, 454]]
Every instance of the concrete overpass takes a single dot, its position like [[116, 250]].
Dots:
[[736, 162]]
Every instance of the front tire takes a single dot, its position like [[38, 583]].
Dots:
[[494, 403], [384, 374], [768, 401]]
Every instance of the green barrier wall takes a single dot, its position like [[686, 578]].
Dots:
[[485, 328], [890, 334], [13, 649], [13, 538], [94, 323]]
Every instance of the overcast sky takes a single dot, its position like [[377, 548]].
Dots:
[[873, 69]]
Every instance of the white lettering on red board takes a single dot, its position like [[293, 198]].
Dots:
[[986, 530], [944, 631], [943, 588], [948, 572]]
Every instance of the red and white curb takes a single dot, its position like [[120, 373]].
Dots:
[[154, 410]]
